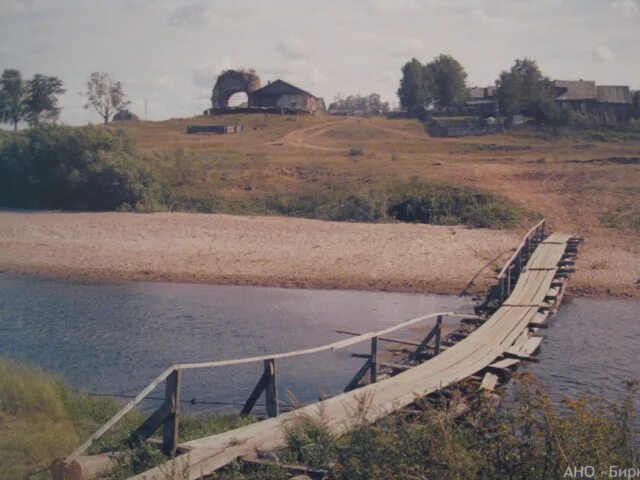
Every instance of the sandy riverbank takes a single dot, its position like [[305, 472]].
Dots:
[[277, 251]]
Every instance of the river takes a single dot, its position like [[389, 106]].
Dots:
[[114, 337]]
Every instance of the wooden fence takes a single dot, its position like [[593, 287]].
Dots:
[[167, 415]]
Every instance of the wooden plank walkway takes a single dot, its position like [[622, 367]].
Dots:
[[506, 328]]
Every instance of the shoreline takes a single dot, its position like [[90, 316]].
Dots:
[[287, 252], [440, 289]]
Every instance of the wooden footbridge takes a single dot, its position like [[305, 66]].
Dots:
[[529, 287]]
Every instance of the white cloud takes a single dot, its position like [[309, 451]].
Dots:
[[292, 48], [626, 8], [192, 14], [603, 54]]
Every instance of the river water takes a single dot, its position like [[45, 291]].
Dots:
[[115, 337]]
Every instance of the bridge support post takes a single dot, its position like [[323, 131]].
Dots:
[[267, 383], [167, 416], [373, 371], [170, 426], [271, 388], [437, 345], [509, 280]]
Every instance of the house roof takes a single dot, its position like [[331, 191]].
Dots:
[[575, 89], [613, 94], [478, 93], [280, 87]]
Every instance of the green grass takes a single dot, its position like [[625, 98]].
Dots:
[[41, 419], [528, 438]]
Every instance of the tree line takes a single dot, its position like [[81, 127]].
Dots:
[[441, 84], [366, 105], [35, 101]]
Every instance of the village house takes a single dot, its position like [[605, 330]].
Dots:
[[611, 102], [280, 94]]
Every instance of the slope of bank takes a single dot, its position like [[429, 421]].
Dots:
[[277, 251]]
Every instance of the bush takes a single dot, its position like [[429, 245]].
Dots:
[[335, 206], [527, 438], [422, 202], [355, 151], [88, 168]]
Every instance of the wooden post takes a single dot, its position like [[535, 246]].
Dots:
[[509, 280], [502, 290], [170, 425], [527, 244], [271, 388], [267, 383], [438, 335], [374, 360], [519, 262]]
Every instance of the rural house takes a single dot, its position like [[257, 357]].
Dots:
[[281, 94], [611, 102]]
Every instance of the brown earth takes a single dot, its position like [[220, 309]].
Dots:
[[277, 251], [576, 183]]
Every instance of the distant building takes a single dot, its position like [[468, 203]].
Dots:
[[125, 116], [610, 102], [482, 102], [281, 94]]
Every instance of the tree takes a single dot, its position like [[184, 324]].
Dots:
[[414, 92], [105, 96], [525, 90], [41, 100], [12, 92], [448, 81]]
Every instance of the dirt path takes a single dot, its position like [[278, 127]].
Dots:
[[299, 137]]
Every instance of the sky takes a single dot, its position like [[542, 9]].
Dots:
[[168, 53]]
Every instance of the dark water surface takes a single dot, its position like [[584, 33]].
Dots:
[[592, 348], [116, 337]]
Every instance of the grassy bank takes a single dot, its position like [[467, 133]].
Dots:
[[94, 168], [528, 437], [42, 419]]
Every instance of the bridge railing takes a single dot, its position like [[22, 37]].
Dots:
[[519, 258], [167, 415]]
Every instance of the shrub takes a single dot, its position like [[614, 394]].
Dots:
[[88, 168], [527, 438], [422, 202], [355, 151]]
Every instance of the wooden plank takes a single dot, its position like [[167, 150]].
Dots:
[[489, 381], [410, 343], [358, 376], [504, 364], [477, 351], [152, 423], [171, 423], [373, 369], [255, 394], [240, 361], [395, 366], [271, 388]]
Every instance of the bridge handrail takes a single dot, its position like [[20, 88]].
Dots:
[[225, 363], [522, 244]]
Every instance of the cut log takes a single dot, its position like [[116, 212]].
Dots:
[[85, 467]]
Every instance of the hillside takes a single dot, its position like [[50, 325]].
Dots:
[[581, 185]]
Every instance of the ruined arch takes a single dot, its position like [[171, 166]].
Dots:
[[230, 82]]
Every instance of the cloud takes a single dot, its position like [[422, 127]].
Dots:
[[626, 8], [292, 48], [481, 16], [191, 15], [603, 54]]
